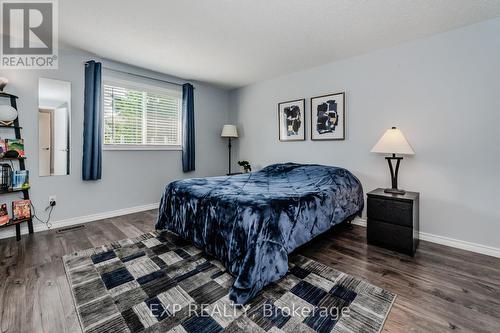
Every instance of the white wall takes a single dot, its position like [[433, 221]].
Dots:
[[130, 178], [442, 91]]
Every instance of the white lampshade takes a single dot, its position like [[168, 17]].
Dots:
[[229, 131], [393, 142], [7, 113]]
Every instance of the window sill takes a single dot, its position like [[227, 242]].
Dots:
[[143, 148]]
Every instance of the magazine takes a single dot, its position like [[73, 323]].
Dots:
[[20, 180], [21, 209], [16, 145], [4, 215], [3, 147]]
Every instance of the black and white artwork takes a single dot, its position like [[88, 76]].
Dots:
[[291, 120], [328, 117]]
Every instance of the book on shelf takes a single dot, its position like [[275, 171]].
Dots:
[[16, 145], [4, 215], [3, 147], [20, 180], [21, 209]]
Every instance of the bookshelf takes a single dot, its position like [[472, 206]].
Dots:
[[25, 192]]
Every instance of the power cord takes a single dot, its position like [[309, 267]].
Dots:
[[49, 208]]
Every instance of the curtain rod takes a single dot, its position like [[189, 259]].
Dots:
[[143, 76]]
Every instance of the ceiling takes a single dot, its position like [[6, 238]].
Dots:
[[233, 43]]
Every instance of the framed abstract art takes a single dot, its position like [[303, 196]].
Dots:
[[291, 120], [328, 117]]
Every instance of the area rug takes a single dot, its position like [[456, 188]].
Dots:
[[159, 283]]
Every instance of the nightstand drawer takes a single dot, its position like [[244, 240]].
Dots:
[[391, 236], [392, 211]]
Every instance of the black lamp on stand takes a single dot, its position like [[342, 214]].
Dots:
[[393, 142], [229, 131]]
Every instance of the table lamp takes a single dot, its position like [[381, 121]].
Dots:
[[393, 142]]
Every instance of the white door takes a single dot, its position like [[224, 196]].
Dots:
[[60, 140], [44, 137]]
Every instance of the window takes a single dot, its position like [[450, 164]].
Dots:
[[141, 117]]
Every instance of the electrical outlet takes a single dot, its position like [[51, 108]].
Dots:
[[52, 200]]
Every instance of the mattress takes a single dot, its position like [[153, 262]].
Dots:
[[251, 222]]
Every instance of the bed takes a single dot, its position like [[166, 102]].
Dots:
[[251, 222]]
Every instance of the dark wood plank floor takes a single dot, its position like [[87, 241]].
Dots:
[[441, 289]]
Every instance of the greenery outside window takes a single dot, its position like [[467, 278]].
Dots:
[[141, 117]]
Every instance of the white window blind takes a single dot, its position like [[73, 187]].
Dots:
[[139, 117]]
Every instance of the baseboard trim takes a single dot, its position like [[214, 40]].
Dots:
[[451, 242], [359, 221], [38, 227]]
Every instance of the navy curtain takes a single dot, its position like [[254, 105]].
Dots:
[[92, 122], [187, 127]]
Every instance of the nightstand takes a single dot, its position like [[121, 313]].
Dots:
[[393, 220]]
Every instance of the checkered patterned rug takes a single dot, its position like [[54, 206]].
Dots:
[[160, 283]]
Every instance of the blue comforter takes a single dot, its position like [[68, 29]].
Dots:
[[251, 222]]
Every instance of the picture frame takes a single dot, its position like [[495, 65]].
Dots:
[[291, 120], [328, 117]]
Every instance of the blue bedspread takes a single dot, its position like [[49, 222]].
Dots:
[[250, 222]]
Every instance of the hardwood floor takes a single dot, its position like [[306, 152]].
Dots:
[[441, 289]]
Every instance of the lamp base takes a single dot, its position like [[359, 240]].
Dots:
[[395, 191]]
